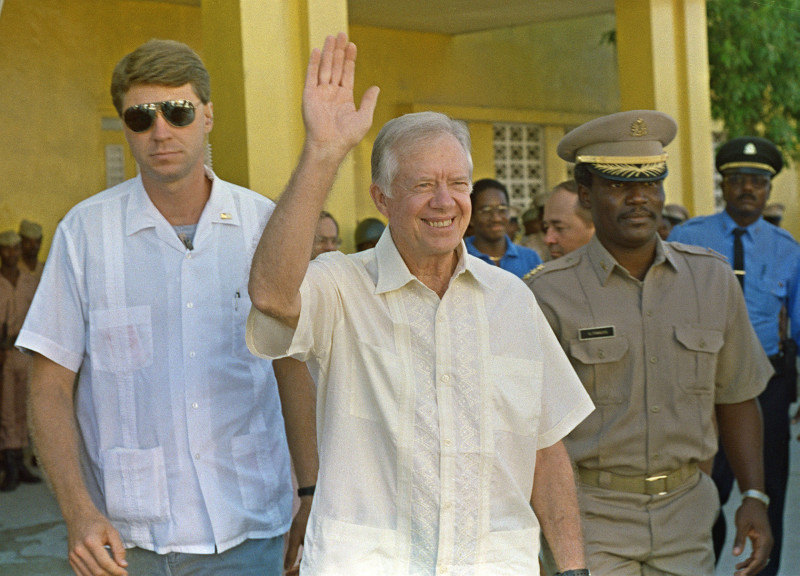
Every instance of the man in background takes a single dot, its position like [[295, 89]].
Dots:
[[766, 260], [368, 232], [17, 288], [326, 237], [773, 213], [533, 235], [672, 215], [31, 234], [490, 241], [567, 225]]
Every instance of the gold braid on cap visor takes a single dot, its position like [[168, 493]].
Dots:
[[627, 166], [758, 165]]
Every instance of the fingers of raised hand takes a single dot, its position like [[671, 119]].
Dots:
[[335, 52]]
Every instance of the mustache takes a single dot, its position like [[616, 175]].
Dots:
[[746, 196], [639, 212]]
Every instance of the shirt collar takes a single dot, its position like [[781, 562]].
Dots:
[[729, 225], [604, 263], [512, 250], [393, 272], [142, 213]]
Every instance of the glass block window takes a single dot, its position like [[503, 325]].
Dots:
[[519, 162]]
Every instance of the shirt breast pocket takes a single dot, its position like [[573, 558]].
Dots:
[[697, 358], [771, 287], [375, 377], [121, 339], [598, 368], [517, 388]]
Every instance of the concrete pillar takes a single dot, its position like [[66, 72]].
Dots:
[[662, 48], [257, 52]]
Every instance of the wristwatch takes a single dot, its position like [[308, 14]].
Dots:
[[757, 494], [580, 572]]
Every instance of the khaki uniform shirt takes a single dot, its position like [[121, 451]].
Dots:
[[15, 301], [655, 355]]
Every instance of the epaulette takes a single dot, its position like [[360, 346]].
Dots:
[[694, 249], [532, 272], [566, 261], [785, 234]]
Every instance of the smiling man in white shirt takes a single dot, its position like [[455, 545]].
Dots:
[[442, 393]]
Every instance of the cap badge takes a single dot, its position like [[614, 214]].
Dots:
[[638, 128], [750, 149]]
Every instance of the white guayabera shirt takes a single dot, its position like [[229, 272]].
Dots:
[[429, 414], [184, 446]]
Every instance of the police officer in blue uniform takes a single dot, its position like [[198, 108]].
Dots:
[[766, 260]]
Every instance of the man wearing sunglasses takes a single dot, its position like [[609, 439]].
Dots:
[[168, 453], [766, 260]]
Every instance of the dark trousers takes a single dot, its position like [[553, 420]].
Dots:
[[775, 402]]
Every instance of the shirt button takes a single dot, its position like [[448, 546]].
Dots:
[[601, 354], [653, 359], [197, 456], [656, 456], [649, 313], [445, 378], [655, 409], [191, 354], [190, 305], [702, 343], [195, 405], [448, 442], [189, 256]]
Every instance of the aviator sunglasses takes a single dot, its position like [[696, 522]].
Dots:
[[140, 118]]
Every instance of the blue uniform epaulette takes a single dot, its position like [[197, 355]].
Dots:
[[786, 235], [567, 261], [697, 250]]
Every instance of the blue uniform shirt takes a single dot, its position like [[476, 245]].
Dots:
[[772, 269], [518, 260]]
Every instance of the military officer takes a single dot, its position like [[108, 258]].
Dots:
[[658, 334]]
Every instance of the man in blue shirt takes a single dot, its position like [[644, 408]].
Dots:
[[490, 241], [766, 260]]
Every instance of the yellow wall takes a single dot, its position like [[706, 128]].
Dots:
[[557, 74], [58, 58], [55, 74]]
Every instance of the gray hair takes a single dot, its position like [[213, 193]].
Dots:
[[409, 130]]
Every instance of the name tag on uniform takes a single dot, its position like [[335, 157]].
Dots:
[[595, 333]]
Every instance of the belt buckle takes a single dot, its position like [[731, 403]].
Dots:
[[657, 478]]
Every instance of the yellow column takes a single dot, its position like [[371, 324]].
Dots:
[[662, 48], [257, 53]]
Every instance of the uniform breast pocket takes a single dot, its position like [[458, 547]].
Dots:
[[771, 287], [121, 339], [598, 367], [516, 388], [697, 358]]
